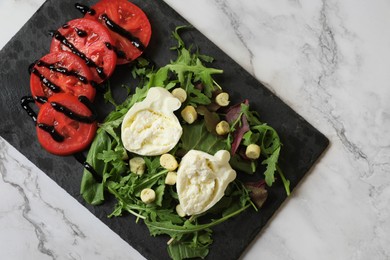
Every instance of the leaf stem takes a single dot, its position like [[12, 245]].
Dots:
[[286, 182], [235, 122], [217, 84], [134, 213], [193, 228], [157, 175], [170, 241], [128, 207]]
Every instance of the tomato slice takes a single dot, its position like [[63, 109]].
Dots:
[[59, 72], [129, 27], [58, 132], [89, 40]]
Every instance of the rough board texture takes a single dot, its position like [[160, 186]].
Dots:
[[302, 144]]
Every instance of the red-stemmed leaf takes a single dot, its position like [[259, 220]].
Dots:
[[242, 127]]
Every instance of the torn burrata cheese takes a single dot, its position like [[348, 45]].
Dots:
[[150, 127], [202, 180]]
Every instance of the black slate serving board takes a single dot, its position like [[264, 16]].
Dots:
[[302, 144]]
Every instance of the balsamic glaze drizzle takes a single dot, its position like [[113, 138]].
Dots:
[[80, 33], [41, 99], [122, 32], [115, 28], [73, 115], [120, 54], [27, 100], [52, 131], [53, 87], [84, 9], [62, 70], [58, 36], [81, 159], [31, 66]]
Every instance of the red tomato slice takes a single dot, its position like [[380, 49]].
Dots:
[[57, 132], [129, 27], [59, 72], [90, 41]]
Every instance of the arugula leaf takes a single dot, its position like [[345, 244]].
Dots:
[[115, 157], [152, 164], [160, 77], [109, 158], [108, 98], [189, 66], [167, 227], [252, 116], [160, 190], [147, 181], [196, 136], [250, 138], [247, 129], [269, 139], [182, 250], [271, 167], [195, 96], [177, 37]]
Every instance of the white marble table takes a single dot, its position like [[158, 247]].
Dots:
[[329, 60]]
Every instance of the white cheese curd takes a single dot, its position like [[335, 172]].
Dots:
[[150, 127], [202, 180]]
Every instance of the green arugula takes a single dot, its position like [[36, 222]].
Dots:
[[196, 136], [270, 145], [190, 237]]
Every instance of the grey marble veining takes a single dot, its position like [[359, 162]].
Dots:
[[328, 60], [39, 220]]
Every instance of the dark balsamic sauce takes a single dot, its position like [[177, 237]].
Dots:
[[52, 131], [73, 115], [53, 87], [81, 159], [122, 32], [41, 99], [58, 36], [31, 66], [80, 33], [27, 100], [120, 54], [115, 28], [94, 83], [62, 70], [84, 9]]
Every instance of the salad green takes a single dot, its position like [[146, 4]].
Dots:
[[189, 236]]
